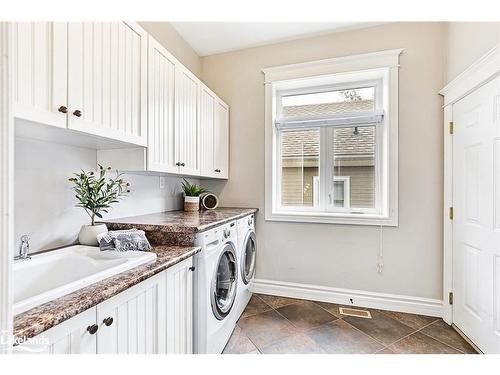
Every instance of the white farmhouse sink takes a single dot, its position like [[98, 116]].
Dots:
[[53, 274]]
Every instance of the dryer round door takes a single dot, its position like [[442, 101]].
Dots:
[[223, 288], [248, 258]]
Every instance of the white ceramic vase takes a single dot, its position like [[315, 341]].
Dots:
[[191, 204], [88, 234]]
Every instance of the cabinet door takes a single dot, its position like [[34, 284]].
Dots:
[[179, 304], [207, 103], [134, 320], [39, 71], [221, 141], [107, 80], [186, 122], [161, 140], [69, 337]]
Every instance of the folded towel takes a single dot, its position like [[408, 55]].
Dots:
[[124, 240]]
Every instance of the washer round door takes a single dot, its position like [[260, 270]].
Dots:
[[248, 258], [223, 289]]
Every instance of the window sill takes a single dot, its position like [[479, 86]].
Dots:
[[329, 218]]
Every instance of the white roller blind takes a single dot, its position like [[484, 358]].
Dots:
[[340, 120]]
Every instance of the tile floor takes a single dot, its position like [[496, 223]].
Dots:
[[273, 325]]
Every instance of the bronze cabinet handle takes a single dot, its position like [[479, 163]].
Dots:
[[77, 113], [63, 109], [108, 321], [192, 268], [217, 170], [92, 329]]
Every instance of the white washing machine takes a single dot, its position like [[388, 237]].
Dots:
[[216, 285], [247, 247]]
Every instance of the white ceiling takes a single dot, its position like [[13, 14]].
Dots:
[[208, 38]]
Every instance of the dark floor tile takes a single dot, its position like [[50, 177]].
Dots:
[[381, 327], [418, 343], [296, 344], [441, 331], [239, 343], [339, 337], [276, 302], [411, 320], [255, 306], [265, 328], [305, 315]]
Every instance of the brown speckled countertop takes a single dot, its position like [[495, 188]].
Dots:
[[178, 227], [43, 317]]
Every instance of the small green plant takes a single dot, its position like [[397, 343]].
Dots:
[[192, 190], [96, 193]]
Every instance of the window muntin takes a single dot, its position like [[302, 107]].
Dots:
[[336, 125]]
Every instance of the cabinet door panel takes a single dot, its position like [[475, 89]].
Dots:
[[221, 142], [161, 140], [107, 76], [180, 308], [39, 71], [138, 319], [69, 337], [207, 103], [186, 122]]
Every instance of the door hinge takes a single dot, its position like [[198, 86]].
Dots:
[[450, 298], [450, 128], [451, 213]]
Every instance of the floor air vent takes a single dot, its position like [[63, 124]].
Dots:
[[355, 312]]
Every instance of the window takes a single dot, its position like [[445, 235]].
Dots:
[[331, 141]]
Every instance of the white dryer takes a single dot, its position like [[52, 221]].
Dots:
[[247, 247], [216, 285]]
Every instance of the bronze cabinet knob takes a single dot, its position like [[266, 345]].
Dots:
[[63, 109], [108, 321], [77, 113], [92, 329]]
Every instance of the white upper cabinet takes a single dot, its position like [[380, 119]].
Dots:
[[161, 156], [186, 121], [114, 82], [39, 72], [221, 139], [107, 80], [207, 117]]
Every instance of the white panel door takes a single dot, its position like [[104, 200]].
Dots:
[[476, 224], [39, 72], [161, 139], [134, 320], [179, 304], [207, 117], [186, 121], [107, 80], [76, 335], [221, 140]]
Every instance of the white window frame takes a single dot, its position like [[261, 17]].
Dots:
[[337, 73]]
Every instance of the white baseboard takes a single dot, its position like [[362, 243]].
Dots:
[[393, 302]]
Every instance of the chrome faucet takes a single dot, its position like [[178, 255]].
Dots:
[[24, 248]]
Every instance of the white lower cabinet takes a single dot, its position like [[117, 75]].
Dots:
[[69, 337], [133, 321], [180, 308], [152, 317]]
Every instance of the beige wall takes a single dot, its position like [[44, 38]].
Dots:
[[345, 256], [165, 33], [466, 42]]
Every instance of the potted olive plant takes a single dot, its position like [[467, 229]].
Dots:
[[95, 194], [192, 194]]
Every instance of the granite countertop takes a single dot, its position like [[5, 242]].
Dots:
[[43, 317], [181, 221]]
